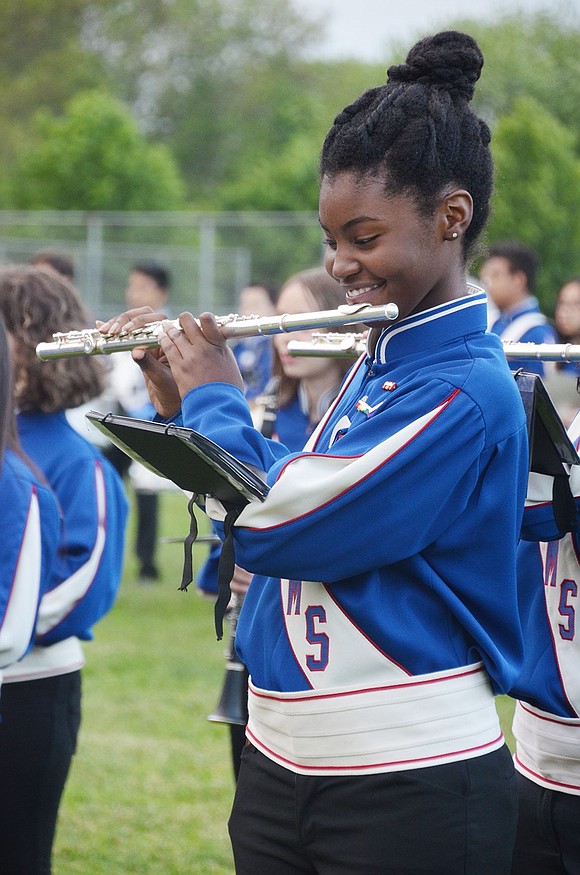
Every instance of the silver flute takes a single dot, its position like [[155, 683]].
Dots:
[[329, 345], [545, 352], [91, 341], [337, 345]]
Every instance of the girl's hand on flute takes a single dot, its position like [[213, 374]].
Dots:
[[138, 317], [159, 380], [198, 354]]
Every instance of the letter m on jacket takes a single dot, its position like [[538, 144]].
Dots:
[[294, 595]]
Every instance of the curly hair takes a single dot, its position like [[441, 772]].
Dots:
[[35, 303], [417, 132]]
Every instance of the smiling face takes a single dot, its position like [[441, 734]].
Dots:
[[382, 250]]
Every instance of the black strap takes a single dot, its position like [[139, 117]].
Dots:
[[226, 565], [564, 504], [227, 560], [187, 573]]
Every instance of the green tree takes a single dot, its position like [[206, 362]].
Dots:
[[43, 57], [179, 64], [537, 191], [43, 64], [94, 157], [283, 113], [226, 86], [534, 56], [286, 181], [230, 87], [183, 66]]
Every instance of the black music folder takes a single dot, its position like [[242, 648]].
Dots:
[[551, 450], [187, 458], [550, 445], [196, 465]]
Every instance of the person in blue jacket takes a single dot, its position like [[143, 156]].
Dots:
[[508, 274], [31, 530], [547, 715], [300, 392], [41, 695], [383, 614], [254, 355]]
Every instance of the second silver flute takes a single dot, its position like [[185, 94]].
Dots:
[[334, 345], [90, 341]]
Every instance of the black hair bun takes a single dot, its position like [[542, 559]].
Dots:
[[450, 60]]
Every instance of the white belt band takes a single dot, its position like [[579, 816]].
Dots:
[[424, 721], [548, 748], [42, 662]]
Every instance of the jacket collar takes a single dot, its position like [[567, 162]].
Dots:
[[430, 328]]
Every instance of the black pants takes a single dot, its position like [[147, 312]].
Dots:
[[238, 731], [147, 527], [38, 732], [548, 836], [453, 819], [147, 516], [237, 744]]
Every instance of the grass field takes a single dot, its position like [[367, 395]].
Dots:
[[151, 784]]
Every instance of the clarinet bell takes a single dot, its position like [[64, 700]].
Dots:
[[232, 706]]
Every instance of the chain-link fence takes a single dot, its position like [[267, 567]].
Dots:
[[210, 256]]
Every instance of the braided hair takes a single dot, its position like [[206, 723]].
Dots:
[[417, 132]]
